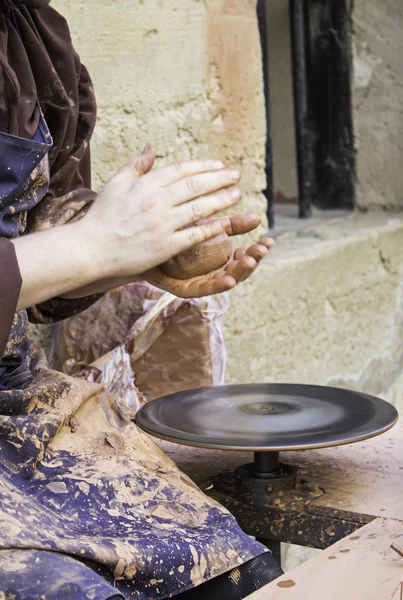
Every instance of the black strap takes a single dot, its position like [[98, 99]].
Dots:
[[238, 583]]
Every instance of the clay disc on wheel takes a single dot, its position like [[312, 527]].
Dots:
[[270, 417]]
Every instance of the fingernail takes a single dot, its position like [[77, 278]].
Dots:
[[235, 175], [236, 194], [217, 164], [146, 149]]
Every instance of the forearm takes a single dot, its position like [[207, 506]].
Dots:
[[140, 220], [55, 262], [99, 287]]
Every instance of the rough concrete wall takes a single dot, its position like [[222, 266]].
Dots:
[[378, 103], [185, 75], [325, 308]]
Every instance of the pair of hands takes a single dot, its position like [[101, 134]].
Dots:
[[142, 218]]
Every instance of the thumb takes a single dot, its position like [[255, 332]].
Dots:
[[146, 160], [139, 166]]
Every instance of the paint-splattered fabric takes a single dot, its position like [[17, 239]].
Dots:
[[89, 505]]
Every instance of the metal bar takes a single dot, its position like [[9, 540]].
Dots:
[[274, 524], [266, 462], [274, 547], [298, 52], [269, 191], [330, 104]]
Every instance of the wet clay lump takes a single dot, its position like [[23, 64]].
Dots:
[[201, 259]]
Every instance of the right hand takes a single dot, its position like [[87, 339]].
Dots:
[[141, 218]]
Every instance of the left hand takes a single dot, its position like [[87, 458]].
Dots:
[[242, 264]]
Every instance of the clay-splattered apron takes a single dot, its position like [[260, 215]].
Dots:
[[90, 507]]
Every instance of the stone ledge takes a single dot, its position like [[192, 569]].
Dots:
[[329, 235]]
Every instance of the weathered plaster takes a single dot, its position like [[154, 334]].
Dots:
[[378, 103], [184, 75]]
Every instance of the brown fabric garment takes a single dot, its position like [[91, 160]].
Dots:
[[10, 282], [38, 62], [43, 65], [33, 3]]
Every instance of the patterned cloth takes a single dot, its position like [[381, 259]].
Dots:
[[89, 505]]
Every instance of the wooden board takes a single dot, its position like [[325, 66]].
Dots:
[[361, 567], [365, 478]]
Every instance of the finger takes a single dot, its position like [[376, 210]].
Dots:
[[209, 287], [245, 261], [267, 242], [244, 223], [191, 236], [257, 251], [202, 184], [147, 159], [239, 253], [203, 207], [179, 170], [241, 269], [239, 224], [192, 288], [137, 167]]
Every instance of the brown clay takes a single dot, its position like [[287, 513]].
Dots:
[[201, 259], [286, 584], [397, 549]]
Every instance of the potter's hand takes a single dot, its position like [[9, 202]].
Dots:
[[213, 254], [142, 217], [242, 264], [139, 220]]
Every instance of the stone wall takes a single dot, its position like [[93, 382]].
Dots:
[[185, 75], [378, 103], [326, 308]]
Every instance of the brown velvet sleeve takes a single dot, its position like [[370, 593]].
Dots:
[[10, 286], [59, 309], [38, 63], [68, 103]]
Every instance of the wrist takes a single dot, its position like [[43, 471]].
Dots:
[[92, 249]]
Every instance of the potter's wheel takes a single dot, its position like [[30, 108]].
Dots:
[[266, 417]]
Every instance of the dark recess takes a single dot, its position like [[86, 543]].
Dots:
[[269, 191], [320, 32], [329, 72]]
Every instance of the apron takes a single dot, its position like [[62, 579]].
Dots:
[[29, 574], [24, 169]]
